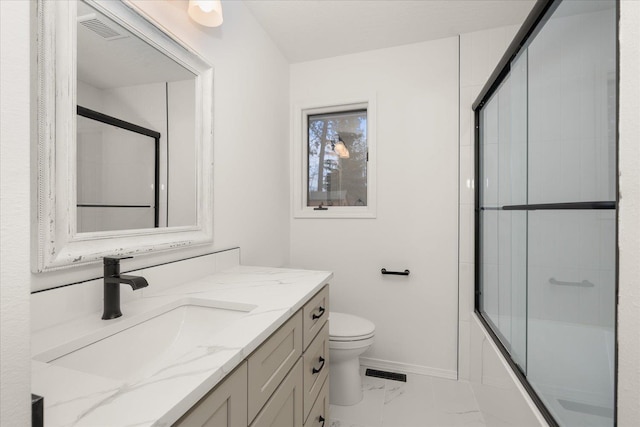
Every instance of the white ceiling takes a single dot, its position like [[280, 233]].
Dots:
[[312, 29]]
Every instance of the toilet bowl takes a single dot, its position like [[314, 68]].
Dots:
[[349, 337]]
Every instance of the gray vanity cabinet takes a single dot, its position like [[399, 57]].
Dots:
[[271, 362], [283, 383], [284, 408], [316, 368], [318, 416], [301, 399], [224, 406], [315, 336], [314, 315]]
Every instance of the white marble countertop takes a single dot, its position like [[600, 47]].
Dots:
[[160, 397]]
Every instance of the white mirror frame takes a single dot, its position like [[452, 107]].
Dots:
[[56, 244]]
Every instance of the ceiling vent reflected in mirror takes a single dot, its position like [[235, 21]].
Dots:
[[91, 22]]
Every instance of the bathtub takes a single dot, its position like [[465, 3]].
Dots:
[[572, 368]]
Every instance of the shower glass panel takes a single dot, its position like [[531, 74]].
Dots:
[[572, 69], [546, 210], [571, 295], [571, 279], [490, 284], [504, 232], [516, 161]]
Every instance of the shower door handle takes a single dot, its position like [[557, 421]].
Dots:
[[584, 283]]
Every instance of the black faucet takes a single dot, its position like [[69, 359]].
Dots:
[[112, 281]]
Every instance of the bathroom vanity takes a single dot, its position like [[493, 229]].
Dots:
[[265, 363], [283, 383]]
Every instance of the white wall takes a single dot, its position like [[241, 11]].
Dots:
[[15, 398], [416, 89], [182, 188], [629, 217], [251, 185]]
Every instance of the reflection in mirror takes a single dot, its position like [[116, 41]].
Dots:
[[125, 178], [117, 172]]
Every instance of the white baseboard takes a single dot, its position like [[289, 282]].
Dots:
[[406, 368]]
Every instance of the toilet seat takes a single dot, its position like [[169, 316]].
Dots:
[[351, 338], [347, 328]]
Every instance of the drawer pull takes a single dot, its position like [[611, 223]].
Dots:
[[321, 419], [314, 370], [321, 311]]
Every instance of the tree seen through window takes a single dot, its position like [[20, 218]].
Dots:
[[337, 159]]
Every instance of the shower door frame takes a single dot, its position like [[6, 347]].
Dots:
[[536, 19], [131, 127]]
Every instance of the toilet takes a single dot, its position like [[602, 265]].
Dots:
[[349, 337]]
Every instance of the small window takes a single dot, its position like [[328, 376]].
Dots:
[[336, 173], [337, 159]]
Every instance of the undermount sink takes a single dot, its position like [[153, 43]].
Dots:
[[155, 341]]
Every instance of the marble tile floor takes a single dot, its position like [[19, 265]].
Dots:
[[422, 401]]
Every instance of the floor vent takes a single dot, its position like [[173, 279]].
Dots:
[[386, 375]]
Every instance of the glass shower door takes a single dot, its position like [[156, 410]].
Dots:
[[513, 199], [571, 242], [546, 212], [503, 230]]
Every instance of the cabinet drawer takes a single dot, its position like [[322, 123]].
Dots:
[[225, 405], [316, 368], [284, 408], [271, 362], [319, 415], [314, 314]]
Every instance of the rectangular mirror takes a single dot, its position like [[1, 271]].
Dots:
[[124, 136]]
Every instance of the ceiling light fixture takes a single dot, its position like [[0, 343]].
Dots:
[[206, 12], [340, 149]]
